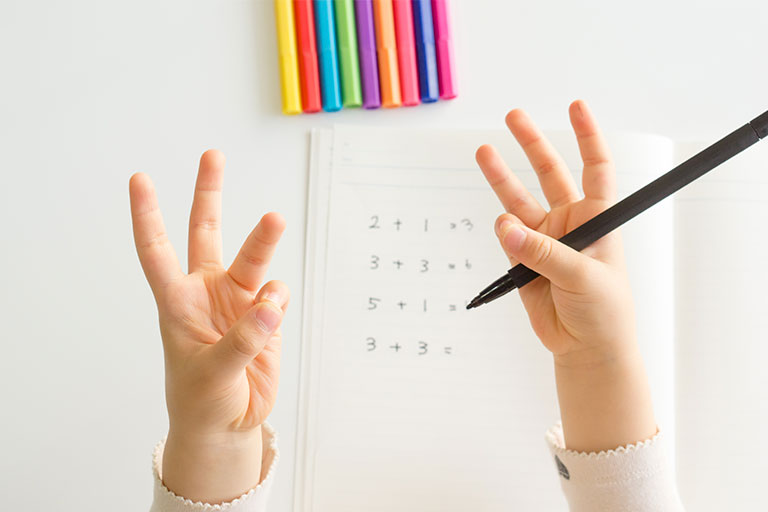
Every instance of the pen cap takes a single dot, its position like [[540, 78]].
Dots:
[[760, 125]]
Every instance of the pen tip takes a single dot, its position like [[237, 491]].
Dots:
[[472, 304]]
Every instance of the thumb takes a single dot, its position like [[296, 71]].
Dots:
[[248, 336], [563, 266]]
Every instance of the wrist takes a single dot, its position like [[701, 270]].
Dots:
[[212, 467], [605, 400]]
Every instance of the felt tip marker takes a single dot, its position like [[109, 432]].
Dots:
[[287, 57], [325, 28]]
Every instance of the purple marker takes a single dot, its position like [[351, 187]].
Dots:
[[366, 42]]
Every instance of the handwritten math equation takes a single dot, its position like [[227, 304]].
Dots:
[[422, 305], [425, 225], [419, 348], [418, 265]]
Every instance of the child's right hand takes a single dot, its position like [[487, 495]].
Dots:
[[581, 308], [221, 338]]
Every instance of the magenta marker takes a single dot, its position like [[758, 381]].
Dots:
[[366, 42], [446, 70]]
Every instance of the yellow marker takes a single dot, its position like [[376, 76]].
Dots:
[[288, 57]]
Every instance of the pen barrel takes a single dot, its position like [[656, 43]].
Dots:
[[426, 52], [369, 64], [288, 56], [446, 72], [659, 189], [760, 125]]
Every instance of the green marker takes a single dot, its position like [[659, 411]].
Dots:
[[346, 33]]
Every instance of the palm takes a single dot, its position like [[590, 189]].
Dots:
[[209, 303], [200, 310], [549, 303], [554, 311]]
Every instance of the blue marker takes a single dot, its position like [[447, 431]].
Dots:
[[425, 50], [327, 56]]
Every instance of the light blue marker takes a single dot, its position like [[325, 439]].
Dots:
[[327, 56]]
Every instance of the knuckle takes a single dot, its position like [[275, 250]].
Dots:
[[159, 239], [541, 251], [207, 224], [517, 203], [500, 178], [253, 259], [241, 342], [261, 236], [596, 160], [547, 167]]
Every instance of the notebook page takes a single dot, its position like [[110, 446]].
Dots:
[[722, 344], [420, 404]]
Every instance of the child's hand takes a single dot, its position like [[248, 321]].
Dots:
[[582, 308], [221, 338]]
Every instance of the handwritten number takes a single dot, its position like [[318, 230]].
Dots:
[[371, 344], [424, 266], [422, 348], [374, 262], [374, 222], [373, 303]]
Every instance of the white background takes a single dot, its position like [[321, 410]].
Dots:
[[93, 90]]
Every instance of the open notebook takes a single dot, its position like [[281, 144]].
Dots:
[[411, 403]]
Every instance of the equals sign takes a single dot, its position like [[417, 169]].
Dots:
[[448, 350]]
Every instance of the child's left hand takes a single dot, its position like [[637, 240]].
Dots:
[[221, 338]]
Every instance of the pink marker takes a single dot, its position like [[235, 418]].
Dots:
[[406, 52], [446, 70]]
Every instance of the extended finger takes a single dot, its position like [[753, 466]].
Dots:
[[513, 195], [599, 177], [252, 261], [158, 259], [205, 217], [555, 177]]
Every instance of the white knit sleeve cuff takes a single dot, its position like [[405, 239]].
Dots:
[[254, 500], [635, 478]]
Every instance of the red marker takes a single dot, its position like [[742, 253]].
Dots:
[[406, 52], [307, 50]]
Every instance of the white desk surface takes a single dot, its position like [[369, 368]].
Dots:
[[93, 90]]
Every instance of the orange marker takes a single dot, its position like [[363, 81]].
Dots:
[[386, 49]]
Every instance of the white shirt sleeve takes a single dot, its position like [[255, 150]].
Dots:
[[254, 500], [632, 478]]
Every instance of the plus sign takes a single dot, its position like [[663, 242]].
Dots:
[[402, 305], [396, 347], [398, 264], [398, 223]]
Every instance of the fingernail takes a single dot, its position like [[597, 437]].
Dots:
[[268, 317], [504, 226], [273, 296], [514, 238]]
